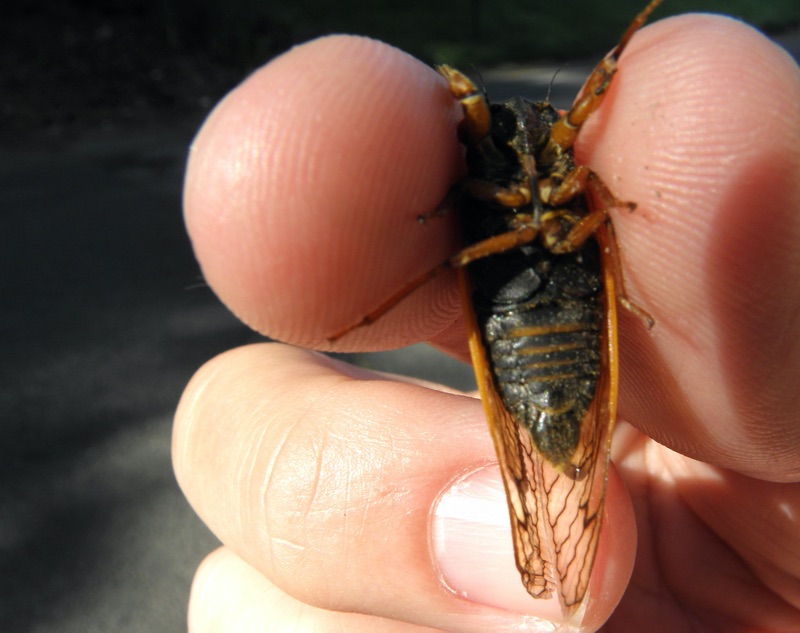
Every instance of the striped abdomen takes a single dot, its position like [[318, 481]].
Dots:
[[541, 328]]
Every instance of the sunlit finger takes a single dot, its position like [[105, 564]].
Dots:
[[229, 596]]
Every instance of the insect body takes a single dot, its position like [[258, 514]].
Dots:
[[541, 281], [542, 322], [539, 313]]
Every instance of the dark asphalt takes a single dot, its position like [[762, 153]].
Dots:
[[104, 321]]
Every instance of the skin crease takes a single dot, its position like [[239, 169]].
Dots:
[[301, 194]]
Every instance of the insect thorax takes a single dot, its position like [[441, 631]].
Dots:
[[539, 313]]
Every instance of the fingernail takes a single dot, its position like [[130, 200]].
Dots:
[[472, 547]]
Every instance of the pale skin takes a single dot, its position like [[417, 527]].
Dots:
[[321, 480]]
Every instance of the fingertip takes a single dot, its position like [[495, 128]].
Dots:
[[307, 179], [696, 101], [616, 554], [700, 130], [229, 595], [470, 531]]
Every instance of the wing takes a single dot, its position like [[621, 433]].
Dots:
[[555, 516]]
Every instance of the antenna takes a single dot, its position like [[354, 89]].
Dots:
[[550, 86]]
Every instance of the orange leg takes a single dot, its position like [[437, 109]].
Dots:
[[566, 129], [560, 243], [606, 201], [571, 186], [511, 197], [553, 238], [477, 120], [491, 246]]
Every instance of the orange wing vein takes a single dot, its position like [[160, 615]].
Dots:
[[555, 519]]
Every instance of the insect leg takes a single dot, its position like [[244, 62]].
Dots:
[[555, 236], [556, 193], [558, 242], [606, 201], [477, 119], [565, 130], [474, 131], [525, 234], [511, 196], [475, 128], [392, 301], [495, 244], [443, 208], [562, 231]]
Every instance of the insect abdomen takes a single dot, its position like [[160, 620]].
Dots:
[[541, 330]]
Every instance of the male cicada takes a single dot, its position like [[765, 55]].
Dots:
[[541, 280]]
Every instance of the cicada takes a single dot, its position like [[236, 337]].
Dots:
[[541, 280]]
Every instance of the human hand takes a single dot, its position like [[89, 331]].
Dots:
[[331, 487]]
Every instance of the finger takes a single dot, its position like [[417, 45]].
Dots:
[[229, 596], [341, 492], [702, 130], [750, 526], [304, 186], [683, 133]]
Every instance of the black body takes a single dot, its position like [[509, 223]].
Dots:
[[539, 313]]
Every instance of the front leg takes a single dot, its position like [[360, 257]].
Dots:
[[556, 192], [566, 129], [477, 120], [563, 232]]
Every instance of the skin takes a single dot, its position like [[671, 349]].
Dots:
[[322, 480]]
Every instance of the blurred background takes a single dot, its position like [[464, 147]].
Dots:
[[103, 313], [73, 64]]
